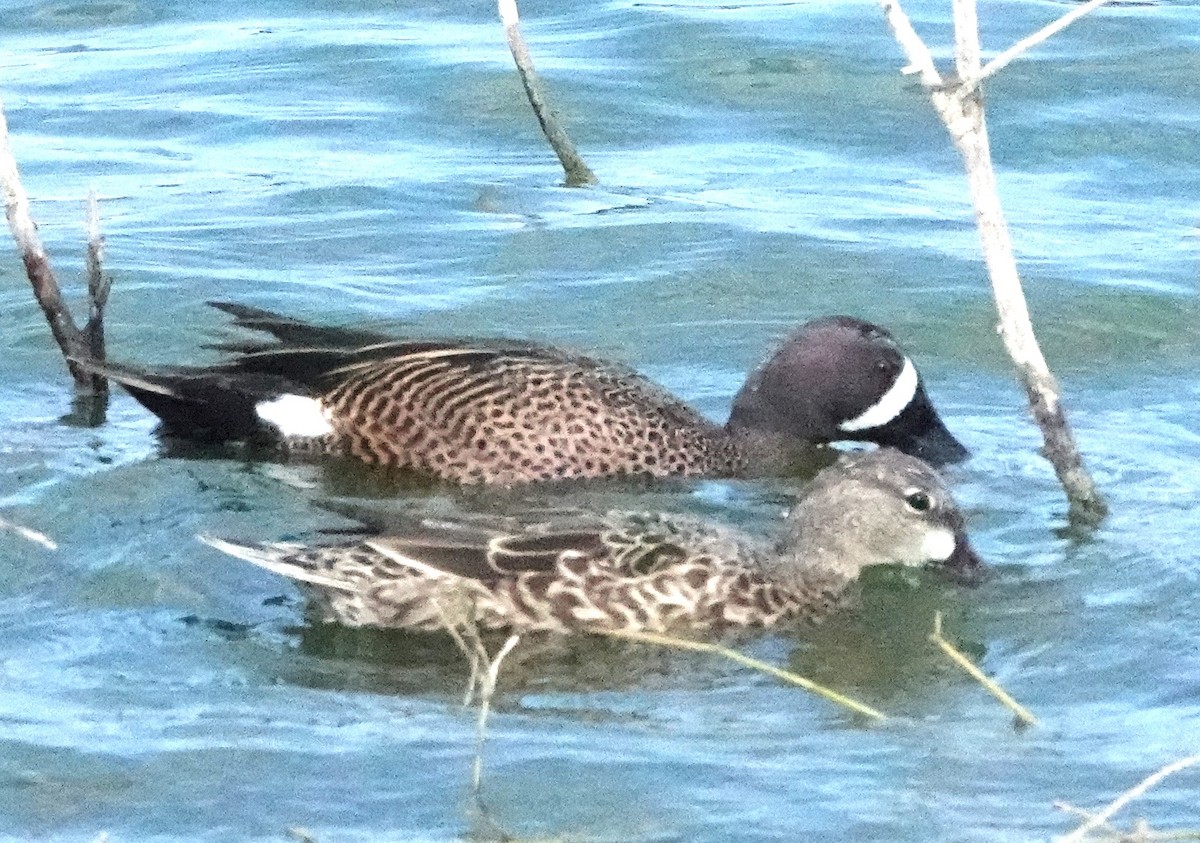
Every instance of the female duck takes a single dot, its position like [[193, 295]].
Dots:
[[637, 572]]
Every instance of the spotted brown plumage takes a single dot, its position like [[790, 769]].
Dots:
[[508, 412], [636, 571]]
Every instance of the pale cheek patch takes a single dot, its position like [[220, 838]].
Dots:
[[295, 416], [891, 404], [938, 545]]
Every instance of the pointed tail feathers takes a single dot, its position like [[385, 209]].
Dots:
[[292, 333], [205, 404], [130, 378], [279, 558]]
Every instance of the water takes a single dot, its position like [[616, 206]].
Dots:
[[760, 164]]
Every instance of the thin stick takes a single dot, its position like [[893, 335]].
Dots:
[[26, 533], [471, 653], [99, 284], [1030, 41], [73, 343], [961, 110], [1128, 796], [578, 173], [740, 658], [37, 262], [487, 688], [966, 664]]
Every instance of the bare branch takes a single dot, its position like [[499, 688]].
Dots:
[[1023, 715], [37, 262], [1025, 44], [1101, 818], [920, 60], [98, 285], [742, 658], [73, 343], [961, 110], [967, 51], [578, 173], [487, 689]]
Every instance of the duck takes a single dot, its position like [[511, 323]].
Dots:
[[505, 413], [636, 571]]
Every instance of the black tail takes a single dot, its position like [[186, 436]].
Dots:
[[197, 403], [291, 333]]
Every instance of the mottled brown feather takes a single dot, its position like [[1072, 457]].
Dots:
[[638, 571]]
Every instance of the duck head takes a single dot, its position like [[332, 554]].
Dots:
[[881, 507], [841, 378]]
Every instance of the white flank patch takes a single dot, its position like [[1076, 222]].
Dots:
[[892, 404], [939, 545], [295, 415]]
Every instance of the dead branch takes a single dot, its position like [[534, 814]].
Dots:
[[73, 342], [1102, 817], [960, 106], [578, 173], [1020, 712], [98, 283]]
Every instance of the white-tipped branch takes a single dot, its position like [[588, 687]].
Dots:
[[961, 110], [578, 173]]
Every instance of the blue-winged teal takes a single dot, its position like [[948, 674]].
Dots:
[[505, 412], [647, 572]]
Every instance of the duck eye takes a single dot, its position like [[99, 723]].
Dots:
[[918, 501]]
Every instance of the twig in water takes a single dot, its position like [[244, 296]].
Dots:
[[960, 106], [26, 533], [98, 283], [485, 673], [74, 343], [487, 687], [1102, 817], [578, 173], [1030, 41], [741, 658], [1024, 718]]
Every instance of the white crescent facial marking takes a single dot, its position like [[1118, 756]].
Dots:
[[938, 545], [295, 416], [890, 405]]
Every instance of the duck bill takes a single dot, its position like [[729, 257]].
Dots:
[[935, 444], [964, 565], [918, 431]]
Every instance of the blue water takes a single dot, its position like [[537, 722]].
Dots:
[[760, 164]]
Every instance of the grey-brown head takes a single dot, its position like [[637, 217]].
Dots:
[[841, 378], [877, 508]]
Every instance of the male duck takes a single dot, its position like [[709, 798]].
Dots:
[[637, 572], [509, 412]]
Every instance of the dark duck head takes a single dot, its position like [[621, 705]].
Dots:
[[841, 378]]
